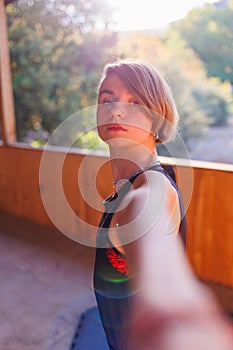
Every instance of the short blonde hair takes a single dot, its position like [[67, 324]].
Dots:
[[151, 90]]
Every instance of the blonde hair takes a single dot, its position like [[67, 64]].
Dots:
[[151, 90]]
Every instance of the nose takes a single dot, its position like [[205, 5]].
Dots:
[[117, 110]]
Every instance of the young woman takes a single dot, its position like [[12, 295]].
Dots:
[[147, 296]]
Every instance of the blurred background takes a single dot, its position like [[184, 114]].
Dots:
[[58, 49]]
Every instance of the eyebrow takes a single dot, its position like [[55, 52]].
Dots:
[[106, 91]]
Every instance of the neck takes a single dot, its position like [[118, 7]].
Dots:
[[125, 163]]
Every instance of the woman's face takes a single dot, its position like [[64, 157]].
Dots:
[[121, 120]]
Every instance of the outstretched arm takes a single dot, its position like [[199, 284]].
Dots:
[[171, 309]]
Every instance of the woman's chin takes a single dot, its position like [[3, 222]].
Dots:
[[120, 142]]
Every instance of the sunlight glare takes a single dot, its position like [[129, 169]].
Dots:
[[151, 14]]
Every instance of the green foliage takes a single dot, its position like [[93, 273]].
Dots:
[[209, 32], [91, 140], [57, 50], [212, 102], [201, 102]]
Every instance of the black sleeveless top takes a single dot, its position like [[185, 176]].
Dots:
[[112, 277]]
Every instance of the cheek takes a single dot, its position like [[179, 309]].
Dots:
[[100, 118], [139, 135], [141, 131], [102, 115], [142, 124], [101, 132]]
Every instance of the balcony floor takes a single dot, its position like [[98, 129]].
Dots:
[[46, 282]]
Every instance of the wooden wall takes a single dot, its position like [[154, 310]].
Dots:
[[210, 214]]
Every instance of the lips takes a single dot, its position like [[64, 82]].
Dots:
[[115, 127]]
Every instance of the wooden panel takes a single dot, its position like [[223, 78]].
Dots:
[[63, 204], [7, 113], [210, 217], [19, 183], [210, 214]]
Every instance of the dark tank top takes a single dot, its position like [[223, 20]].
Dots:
[[112, 275]]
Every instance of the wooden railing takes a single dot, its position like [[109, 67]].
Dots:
[[210, 214]]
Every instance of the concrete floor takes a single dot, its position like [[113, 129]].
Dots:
[[45, 284]]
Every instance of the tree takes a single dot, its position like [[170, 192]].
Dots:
[[208, 31], [57, 50], [200, 101]]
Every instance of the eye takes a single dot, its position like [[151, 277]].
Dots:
[[107, 102], [135, 103]]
